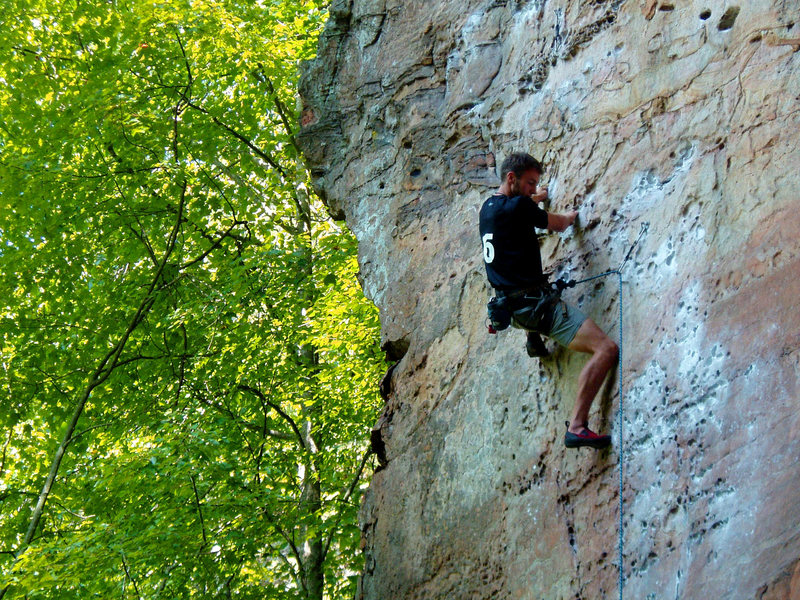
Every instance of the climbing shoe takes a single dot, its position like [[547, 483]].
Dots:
[[535, 346], [586, 437]]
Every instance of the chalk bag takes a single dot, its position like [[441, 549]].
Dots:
[[499, 314]]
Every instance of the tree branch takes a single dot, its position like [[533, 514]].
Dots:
[[133, 359], [262, 429], [345, 500], [291, 568], [184, 355], [129, 576], [185, 61], [256, 150], [199, 510], [211, 248], [295, 551], [279, 106], [278, 410], [143, 238], [39, 55], [87, 430], [5, 452]]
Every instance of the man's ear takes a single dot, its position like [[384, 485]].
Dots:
[[511, 178]]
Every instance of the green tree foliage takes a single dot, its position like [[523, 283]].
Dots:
[[188, 366]]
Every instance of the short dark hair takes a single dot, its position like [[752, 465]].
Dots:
[[519, 163]]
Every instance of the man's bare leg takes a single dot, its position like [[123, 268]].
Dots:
[[592, 340]]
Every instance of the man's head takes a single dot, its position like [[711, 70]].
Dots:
[[520, 174]]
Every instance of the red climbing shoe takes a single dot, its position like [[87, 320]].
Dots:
[[586, 437]]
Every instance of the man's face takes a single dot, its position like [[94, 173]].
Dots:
[[525, 184]]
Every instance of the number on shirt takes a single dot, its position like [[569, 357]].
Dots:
[[488, 248]]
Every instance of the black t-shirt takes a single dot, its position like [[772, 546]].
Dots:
[[510, 246]]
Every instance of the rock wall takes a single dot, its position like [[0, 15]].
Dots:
[[683, 115]]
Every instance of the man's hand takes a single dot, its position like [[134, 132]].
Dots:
[[540, 195], [561, 222]]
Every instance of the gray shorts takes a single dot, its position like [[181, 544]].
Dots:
[[561, 324]]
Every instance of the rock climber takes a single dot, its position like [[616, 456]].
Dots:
[[514, 268]]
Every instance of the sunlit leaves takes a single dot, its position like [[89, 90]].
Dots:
[[151, 194]]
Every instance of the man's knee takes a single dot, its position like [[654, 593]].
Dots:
[[590, 338], [610, 350]]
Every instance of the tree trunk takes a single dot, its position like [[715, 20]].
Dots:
[[313, 556], [313, 549]]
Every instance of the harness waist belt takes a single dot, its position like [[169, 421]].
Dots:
[[517, 294]]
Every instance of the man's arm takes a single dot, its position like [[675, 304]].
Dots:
[[561, 222], [555, 222]]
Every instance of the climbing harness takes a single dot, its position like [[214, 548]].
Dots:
[[543, 299]]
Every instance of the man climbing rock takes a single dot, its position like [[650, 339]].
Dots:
[[514, 268]]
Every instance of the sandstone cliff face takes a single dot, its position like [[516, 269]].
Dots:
[[684, 115]]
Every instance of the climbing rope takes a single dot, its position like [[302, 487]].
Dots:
[[620, 413], [620, 443]]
